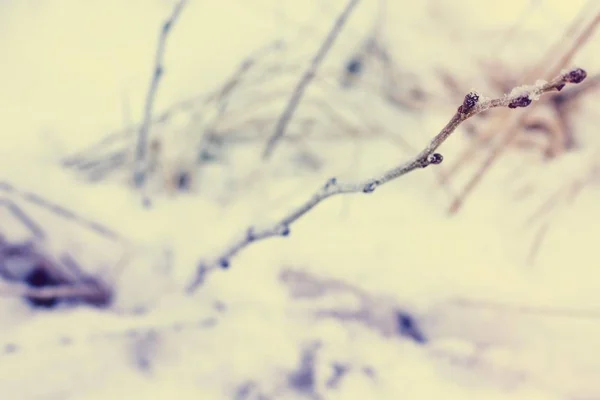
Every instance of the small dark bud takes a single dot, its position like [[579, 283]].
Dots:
[[370, 187], [435, 158], [285, 231], [250, 235], [166, 26], [575, 76], [521, 101], [407, 326], [470, 101], [354, 66], [224, 263], [200, 273], [183, 181], [560, 87], [158, 72], [331, 182]]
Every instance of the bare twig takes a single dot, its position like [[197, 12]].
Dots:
[[567, 45], [307, 77], [52, 207], [142, 142], [471, 106], [93, 293], [22, 216], [510, 130]]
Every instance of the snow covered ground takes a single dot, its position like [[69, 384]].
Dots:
[[313, 315]]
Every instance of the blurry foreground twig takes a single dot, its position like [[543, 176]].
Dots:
[[142, 143], [307, 77]]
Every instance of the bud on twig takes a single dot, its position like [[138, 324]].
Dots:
[[435, 158], [576, 75], [522, 101], [470, 101]]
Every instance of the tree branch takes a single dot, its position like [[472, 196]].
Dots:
[[472, 105], [307, 77], [139, 177]]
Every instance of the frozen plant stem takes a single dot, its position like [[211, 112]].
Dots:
[[471, 106], [307, 78], [139, 176], [54, 208]]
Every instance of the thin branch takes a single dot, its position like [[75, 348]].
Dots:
[[91, 292], [519, 97], [574, 93], [307, 77], [142, 142], [22, 216], [566, 46], [510, 130], [53, 208]]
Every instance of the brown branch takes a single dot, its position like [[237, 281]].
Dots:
[[519, 97], [307, 77], [566, 46], [510, 130]]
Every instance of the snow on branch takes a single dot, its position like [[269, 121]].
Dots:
[[521, 96]]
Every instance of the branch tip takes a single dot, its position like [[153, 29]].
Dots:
[[331, 182], [370, 187], [435, 158], [576, 75], [470, 101]]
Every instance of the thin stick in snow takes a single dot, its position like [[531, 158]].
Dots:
[[307, 77], [142, 142], [54, 208], [472, 105]]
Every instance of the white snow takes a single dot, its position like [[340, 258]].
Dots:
[[72, 72]]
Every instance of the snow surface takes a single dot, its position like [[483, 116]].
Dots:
[[73, 71]]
